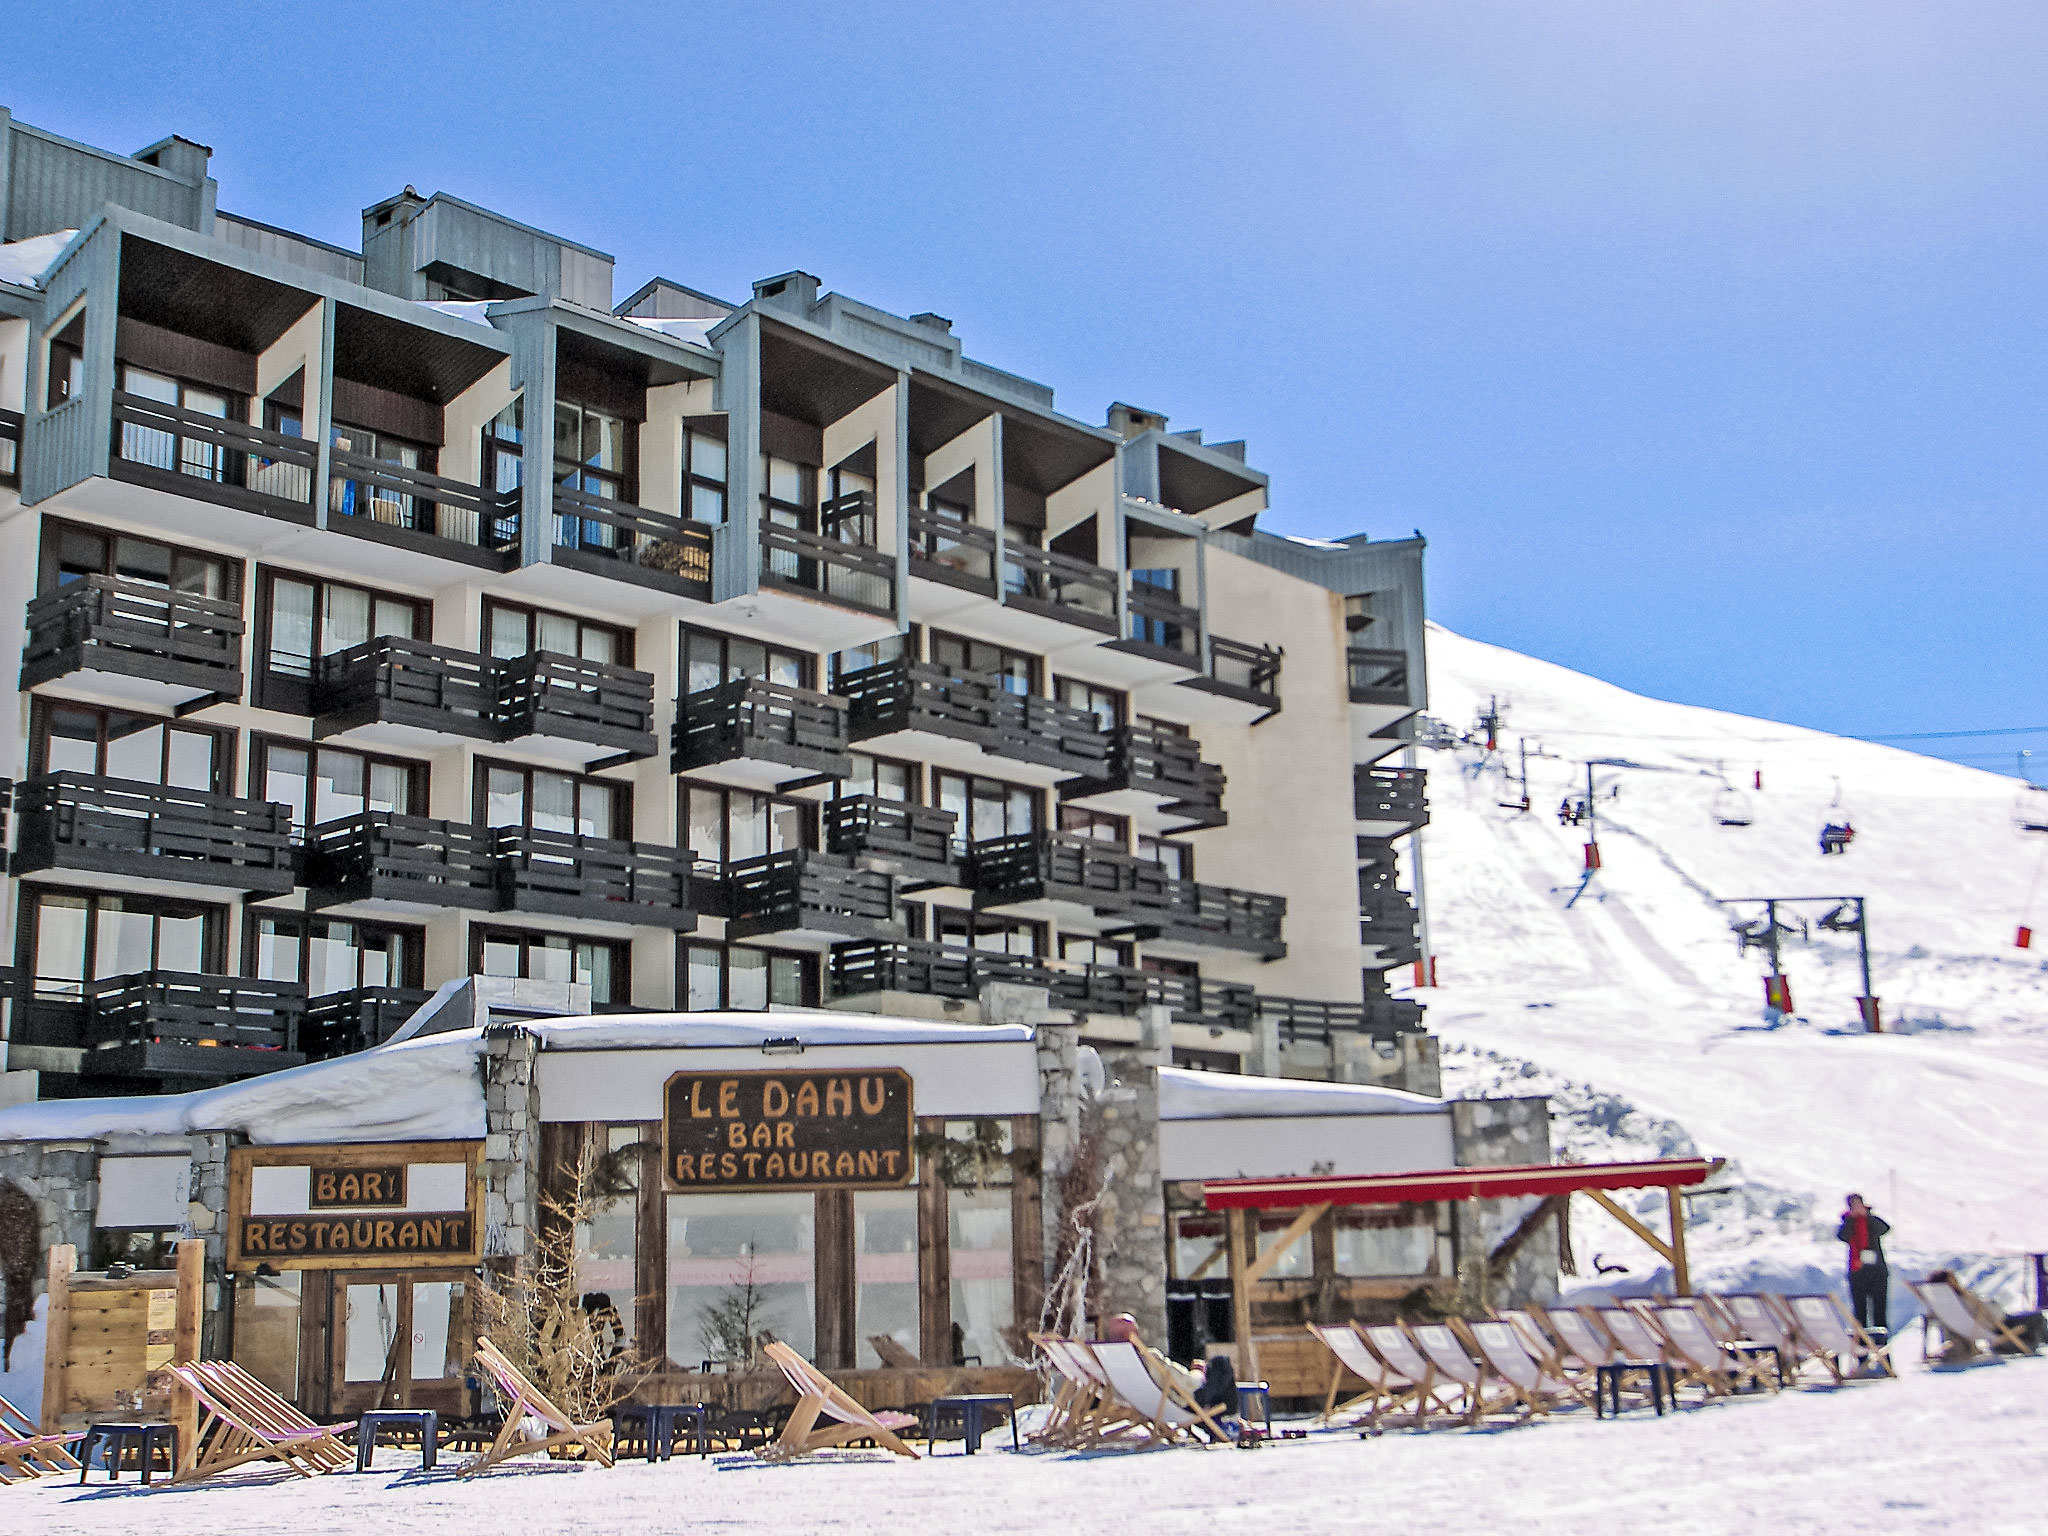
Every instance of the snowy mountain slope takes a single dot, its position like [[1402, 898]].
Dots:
[[1630, 1000]]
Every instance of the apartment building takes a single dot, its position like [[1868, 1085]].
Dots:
[[397, 616]]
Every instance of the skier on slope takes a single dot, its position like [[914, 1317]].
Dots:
[[1862, 1231]]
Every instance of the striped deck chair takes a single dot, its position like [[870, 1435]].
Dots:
[[1831, 1336], [241, 1420], [1083, 1411], [1159, 1399], [1499, 1346], [820, 1397], [1546, 1350], [1701, 1355], [522, 1402], [1969, 1327], [26, 1452], [1580, 1341], [1636, 1341], [1393, 1345], [1385, 1387], [1761, 1323], [1455, 1364]]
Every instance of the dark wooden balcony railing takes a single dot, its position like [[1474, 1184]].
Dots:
[[911, 839], [973, 707], [10, 447], [383, 856], [1161, 622], [1121, 990], [180, 1024], [1390, 795], [945, 549], [212, 458], [1386, 914], [834, 566], [546, 693], [816, 892], [1147, 760], [125, 827], [750, 718], [1248, 672], [566, 874], [342, 1023], [615, 538], [1383, 1018], [414, 509], [137, 629], [1058, 586], [1377, 677]]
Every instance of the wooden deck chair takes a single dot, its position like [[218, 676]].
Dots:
[[26, 1452], [1636, 1339], [1454, 1363], [1579, 1340], [1499, 1346], [526, 1406], [1083, 1414], [1071, 1390], [1832, 1336], [238, 1426], [1759, 1322], [1385, 1387], [1968, 1325], [1160, 1401], [1547, 1351], [1700, 1354], [1393, 1345], [892, 1354], [820, 1397]]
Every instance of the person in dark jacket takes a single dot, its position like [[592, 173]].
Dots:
[[1862, 1232]]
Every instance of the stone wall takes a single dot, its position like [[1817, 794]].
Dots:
[[1131, 1218], [61, 1178], [1503, 1133], [511, 1141]]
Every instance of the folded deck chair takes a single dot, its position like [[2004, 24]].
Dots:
[[241, 1420], [1968, 1325], [1158, 1396], [1832, 1336], [1761, 1323], [1385, 1387], [526, 1409], [1393, 1345], [1698, 1354], [820, 1397], [1455, 1364], [1537, 1388], [25, 1451]]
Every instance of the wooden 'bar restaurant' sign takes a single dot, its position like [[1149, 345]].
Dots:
[[728, 1132], [394, 1205]]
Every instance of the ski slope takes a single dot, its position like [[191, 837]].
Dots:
[[1629, 1000]]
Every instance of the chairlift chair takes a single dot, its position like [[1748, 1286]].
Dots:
[[2030, 809], [1732, 808]]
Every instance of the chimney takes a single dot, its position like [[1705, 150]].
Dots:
[[181, 157], [1128, 421], [936, 322], [796, 291]]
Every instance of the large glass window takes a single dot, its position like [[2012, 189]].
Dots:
[[267, 1329], [71, 553], [590, 450], [323, 784], [791, 497], [1015, 671], [1097, 826], [512, 630], [78, 937], [741, 1268], [306, 617], [1385, 1240], [146, 749], [1298, 1262], [166, 450], [603, 965], [504, 446], [704, 475], [989, 934], [333, 955], [607, 1251], [710, 659], [1105, 704], [724, 826], [359, 498], [716, 978], [985, 808], [511, 795], [874, 654], [884, 1272], [879, 778], [984, 1294]]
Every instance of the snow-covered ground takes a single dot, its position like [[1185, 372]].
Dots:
[[1933, 1451], [1630, 1002]]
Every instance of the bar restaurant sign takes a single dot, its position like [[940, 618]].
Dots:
[[727, 1132], [389, 1205]]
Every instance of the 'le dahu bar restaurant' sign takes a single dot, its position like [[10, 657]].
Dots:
[[395, 1205], [725, 1132]]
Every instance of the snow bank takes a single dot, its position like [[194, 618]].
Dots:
[[21, 1383]]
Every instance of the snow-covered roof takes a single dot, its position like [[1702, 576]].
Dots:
[[472, 310], [684, 328], [1186, 1095], [429, 1088], [23, 262]]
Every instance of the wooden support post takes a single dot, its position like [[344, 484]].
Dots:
[[1681, 1276], [191, 1308], [1241, 1296], [57, 1336]]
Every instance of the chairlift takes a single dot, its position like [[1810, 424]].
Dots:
[[2030, 808], [1732, 808], [1844, 917]]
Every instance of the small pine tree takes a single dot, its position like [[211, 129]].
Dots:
[[736, 1325]]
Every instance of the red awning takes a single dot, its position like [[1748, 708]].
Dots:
[[1454, 1184]]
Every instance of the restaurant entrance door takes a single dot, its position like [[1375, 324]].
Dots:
[[398, 1339]]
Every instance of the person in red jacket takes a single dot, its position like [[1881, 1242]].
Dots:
[[1862, 1231]]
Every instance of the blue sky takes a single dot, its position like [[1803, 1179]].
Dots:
[[1704, 341]]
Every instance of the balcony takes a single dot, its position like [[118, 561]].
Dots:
[[1376, 676], [423, 513], [1389, 802], [134, 640], [10, 449], [603, 537], [1076, 872], [1048, 595], [951, 564], [838, 567], [760, 735], [1163, 627], [1382, 1018], [1241, 685], [1387, 920], [342, 1023], [151, 832], [408, 693], [605, 879], [1159, 778], [960, 719], [914, 842], [210, 458], [800, 896], [177, 1025], [938, 970]]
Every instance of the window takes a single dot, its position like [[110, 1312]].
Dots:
[[1165, 727], [1079, 949], [1385, 1240], [67, 364], [75, 937], [715, 978], [848, 513], [71, 553], [710, 659], [885, 1271], [1014, 671], [591, 449], [306, 617], [330, 955], [1105, 704], [602, 965], [991, 935], [879, 778], [1164, 583], [985, 808], [724, 826], [1298, 1262], [512, 795], [790, 498], [874, 654], [607, 1245], [704, 476], [144, 749], [984, 1298], [323, 784], [1177, 859], [511, 630], [740, 1266], [379, 503], [504, 448], [1079, 821], [168, 450]]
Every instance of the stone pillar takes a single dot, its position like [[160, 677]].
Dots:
[[511, 1142], [206, 1218], [1407, 1062], [1263, 1058], [1503, 1133], [61, 1180], [1131, 1220], [1059, 1130]]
